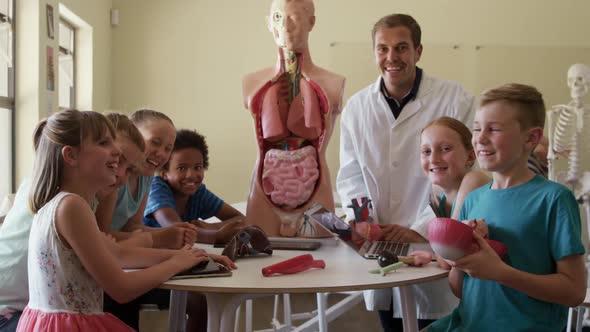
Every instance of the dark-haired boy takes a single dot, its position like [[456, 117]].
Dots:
[[179, 195]]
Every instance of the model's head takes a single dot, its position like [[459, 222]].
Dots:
[[290, 22], [578, 80]]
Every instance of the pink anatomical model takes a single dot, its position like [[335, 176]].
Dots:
[[294, 105]]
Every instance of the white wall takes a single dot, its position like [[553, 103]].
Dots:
[[33, 100], [186, 57], [30, 48]]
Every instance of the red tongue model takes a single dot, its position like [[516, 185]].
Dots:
[[293, 265]]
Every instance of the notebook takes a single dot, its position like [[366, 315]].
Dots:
[[206, 269], [365, 248]]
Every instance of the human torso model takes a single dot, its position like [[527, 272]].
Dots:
[[294, 105]]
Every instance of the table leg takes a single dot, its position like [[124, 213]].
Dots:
[[214, 310], [580, 319], [177, 313], [568, 326], [408, 309], [287, 311], [322, 304], [221, 310], [249, 313]]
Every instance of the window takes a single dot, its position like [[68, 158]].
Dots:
[[7, 149], [67, 70]]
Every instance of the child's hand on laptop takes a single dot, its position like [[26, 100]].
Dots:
[[187, 257], [223, 260]]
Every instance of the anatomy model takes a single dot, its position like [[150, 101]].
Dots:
[[294, 105], [363, 221], [569, 136]]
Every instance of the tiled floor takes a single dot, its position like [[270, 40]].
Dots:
[[357, 319]]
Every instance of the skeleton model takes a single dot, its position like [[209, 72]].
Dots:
[[569, 137]]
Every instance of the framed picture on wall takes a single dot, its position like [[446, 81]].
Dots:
[[50, 25], [50, 70]]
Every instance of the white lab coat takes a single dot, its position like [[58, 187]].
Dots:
[[380, 159]]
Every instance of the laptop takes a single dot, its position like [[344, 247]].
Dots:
[[366, 248], [206, 269]]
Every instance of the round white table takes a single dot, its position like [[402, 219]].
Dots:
[[345, 271]]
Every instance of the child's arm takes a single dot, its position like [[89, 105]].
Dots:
[[167, 216], [104, 211], [228, 213], [566, 287], [231, 220], [456, 282], [137, 239], [104, 217], [207, 233], [168, 237], [76, 224], [133, 257], [135, 222], [471, 181]]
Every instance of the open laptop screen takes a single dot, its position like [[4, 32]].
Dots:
[[364, 247], [344, 231]]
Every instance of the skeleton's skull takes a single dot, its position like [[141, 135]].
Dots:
[[578, 80]]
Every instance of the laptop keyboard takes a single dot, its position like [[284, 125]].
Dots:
[[400, 249]]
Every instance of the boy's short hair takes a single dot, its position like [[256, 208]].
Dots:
[[190, 139], [527, 99]]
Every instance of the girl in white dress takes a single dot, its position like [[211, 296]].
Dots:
[[70, 261]]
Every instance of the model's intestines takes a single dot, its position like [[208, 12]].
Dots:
[[290, 122], [289, 177]]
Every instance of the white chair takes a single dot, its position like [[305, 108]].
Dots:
[[314, 320], [5, 207], [6, 204], [579, 313]]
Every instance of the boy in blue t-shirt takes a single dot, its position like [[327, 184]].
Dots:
[[537, 219], [179, 195]]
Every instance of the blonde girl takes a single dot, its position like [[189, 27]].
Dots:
[[70, 261]]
